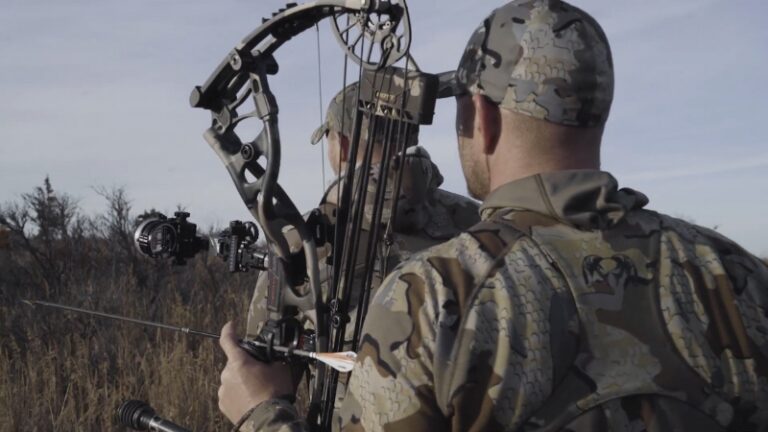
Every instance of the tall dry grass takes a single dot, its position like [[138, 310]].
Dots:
[[64, 372]]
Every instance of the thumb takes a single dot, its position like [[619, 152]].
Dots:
[[229, 342]]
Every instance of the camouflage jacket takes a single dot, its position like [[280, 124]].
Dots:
[[569, 307], [426, 216]]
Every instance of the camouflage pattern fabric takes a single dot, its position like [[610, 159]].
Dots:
[[569, 307], [543, 58], [426, 216]]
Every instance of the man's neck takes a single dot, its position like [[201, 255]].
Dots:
[[517, 165]]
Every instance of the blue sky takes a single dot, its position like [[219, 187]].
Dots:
[[95, 93]]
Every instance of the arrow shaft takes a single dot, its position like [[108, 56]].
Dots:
[[126, 319], [281, 349]]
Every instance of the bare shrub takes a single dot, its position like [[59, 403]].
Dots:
[[62, 372]]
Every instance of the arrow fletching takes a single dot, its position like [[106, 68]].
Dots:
[[341, 361]]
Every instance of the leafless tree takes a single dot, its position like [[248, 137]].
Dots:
[[46, 226]]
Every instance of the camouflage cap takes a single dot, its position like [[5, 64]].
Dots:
[[340, 117], [543, 58], [340, 113]]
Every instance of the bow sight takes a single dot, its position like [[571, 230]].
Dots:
[[160, 237]]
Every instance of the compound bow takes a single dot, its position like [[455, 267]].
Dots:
[[399, 98]]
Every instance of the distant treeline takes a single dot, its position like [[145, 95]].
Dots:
[[63, 372]]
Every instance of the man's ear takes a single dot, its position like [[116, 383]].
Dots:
[[487, 122]]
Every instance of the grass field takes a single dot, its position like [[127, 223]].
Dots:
[[62, 372]]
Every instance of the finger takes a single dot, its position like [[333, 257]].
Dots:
[[228, 342]]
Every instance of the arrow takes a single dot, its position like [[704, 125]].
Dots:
[[341, 361]]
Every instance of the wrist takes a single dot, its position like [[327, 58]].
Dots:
[[254, 418]]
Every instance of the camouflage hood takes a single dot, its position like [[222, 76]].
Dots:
[[585, 199], [416, 206]]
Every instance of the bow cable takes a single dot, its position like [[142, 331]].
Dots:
[[389, 232], [346, 268], [322, 106]]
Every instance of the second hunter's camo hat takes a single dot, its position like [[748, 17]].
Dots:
[[339, 114], [543, 58], [340, 117]]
